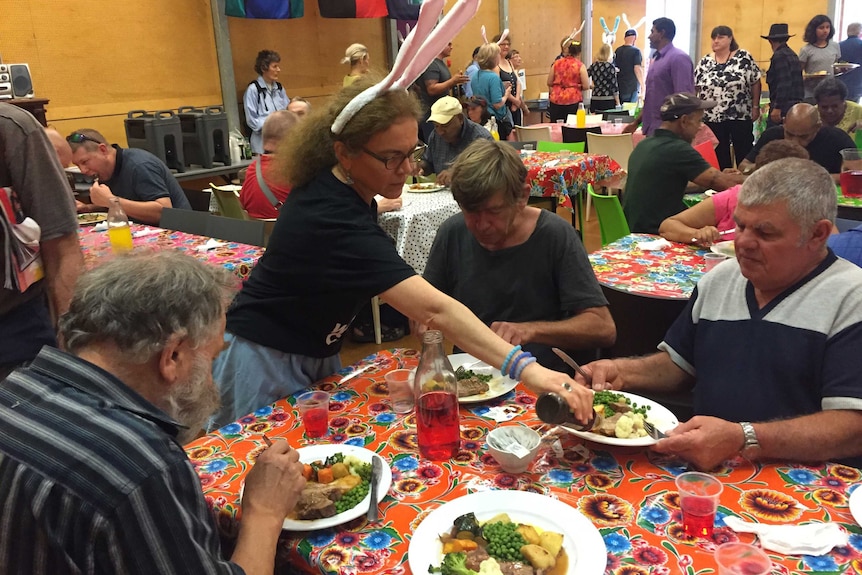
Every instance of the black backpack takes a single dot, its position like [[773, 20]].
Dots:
[[261, 92]]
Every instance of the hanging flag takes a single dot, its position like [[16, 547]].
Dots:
[[395, 9], [265, 9]]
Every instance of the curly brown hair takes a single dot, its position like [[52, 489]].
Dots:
[[311, 148]]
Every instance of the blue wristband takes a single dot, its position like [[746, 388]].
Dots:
[[506, 361], [514, 364], [524, 364]]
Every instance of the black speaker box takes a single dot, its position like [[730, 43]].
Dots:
[[22, 85]]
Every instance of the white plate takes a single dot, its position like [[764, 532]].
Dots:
[[581, 540], [856, 504], [657, 414], [425, 188], [723, 248], [498, 385], [92, 218], [320, 453]]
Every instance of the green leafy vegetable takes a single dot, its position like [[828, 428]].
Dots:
[[453, 564], [467, 374]]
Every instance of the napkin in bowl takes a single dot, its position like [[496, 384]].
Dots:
[[808, 539], [101, 227], [145, 232], [654, 245]]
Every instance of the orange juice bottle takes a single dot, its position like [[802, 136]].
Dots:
[[119, 232]]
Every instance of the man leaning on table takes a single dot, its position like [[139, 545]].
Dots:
[[453, 132], [523, 271], [661, 166], [771, 337], [93, 476], [143, 182]]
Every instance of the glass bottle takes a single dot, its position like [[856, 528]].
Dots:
[[552, 408], [119, 232], [581, 116], [436, 387]]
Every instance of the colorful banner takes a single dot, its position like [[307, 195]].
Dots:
[[265, 9], [396, 9]]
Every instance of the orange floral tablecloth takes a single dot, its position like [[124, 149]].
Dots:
[[551, 175], [627, 493], [236, 257]]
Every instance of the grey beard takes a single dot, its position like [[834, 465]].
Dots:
[[193, 403]]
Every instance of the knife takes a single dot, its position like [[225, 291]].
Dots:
[[356, 372], [567, 359], [376, 470]]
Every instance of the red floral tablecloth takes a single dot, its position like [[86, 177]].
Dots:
[[552, 175], [236, 257], [627, 493], [669, 273]]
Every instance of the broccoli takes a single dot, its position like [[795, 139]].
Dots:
[[453, 564]]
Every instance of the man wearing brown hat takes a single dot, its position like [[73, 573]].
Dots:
[[661, 166], [452, 133], [784, 76]]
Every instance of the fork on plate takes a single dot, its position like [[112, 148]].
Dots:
[[654, 431]]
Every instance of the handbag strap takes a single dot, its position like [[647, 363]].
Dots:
[[258, 173]]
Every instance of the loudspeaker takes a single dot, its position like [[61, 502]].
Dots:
[[5, 82], [22, 85]]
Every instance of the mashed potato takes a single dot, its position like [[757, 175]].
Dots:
[[630, 425]]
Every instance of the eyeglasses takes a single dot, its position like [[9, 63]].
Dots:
[[392, 162], [79, 138]]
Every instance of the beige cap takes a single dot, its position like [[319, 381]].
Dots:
[[444, 109]]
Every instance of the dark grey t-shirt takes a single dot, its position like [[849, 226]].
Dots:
[[142, 177]]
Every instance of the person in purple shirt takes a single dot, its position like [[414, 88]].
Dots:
[[671, 71]]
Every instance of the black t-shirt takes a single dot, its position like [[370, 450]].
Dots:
[[625, 59], [825, 148], [326, 258]]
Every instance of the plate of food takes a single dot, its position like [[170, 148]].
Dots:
[[558, 539], [856, 504], [92, 218], [337, 477], [479, 382], [725, 248], [423, 188], [620, 417]]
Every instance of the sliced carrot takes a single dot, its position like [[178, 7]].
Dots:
[[458, 545], [307, 471], [324, 475]]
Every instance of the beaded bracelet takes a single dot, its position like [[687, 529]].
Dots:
[[524, 364], [514, 350], [514, 363]]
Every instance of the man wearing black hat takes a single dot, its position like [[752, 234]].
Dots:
[[629, 61], [784, 76], [661, 166]]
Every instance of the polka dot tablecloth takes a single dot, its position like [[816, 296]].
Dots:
[[669, 273], [627, 493], [236, 257], [414, 226]]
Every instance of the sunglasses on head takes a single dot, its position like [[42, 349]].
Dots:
[[79, 138]]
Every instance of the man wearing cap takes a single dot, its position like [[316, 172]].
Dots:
[[436, 82], [629, 61], [784, 76], [451, 135], [661, 166], [803, 126], [671, 71]]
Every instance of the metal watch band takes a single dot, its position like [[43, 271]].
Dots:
[[750, 436]]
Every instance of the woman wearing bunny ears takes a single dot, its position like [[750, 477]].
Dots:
[[327, 256], [567, 80]]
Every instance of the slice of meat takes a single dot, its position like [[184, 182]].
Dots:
[[475, 558], [516, 568], [471, 386], [314, 505], [608, 426]]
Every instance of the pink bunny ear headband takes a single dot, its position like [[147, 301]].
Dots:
[[419, 49], [503, 36], [575, 32]]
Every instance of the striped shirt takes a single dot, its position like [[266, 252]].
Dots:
[[92, 479]]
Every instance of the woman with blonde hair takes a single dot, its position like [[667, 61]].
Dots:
[[357, 56], [603, 80]]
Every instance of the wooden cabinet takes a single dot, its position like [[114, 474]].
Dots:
[[35, 106]]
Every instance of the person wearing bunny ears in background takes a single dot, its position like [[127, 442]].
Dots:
[[629, 61], [327, 257]]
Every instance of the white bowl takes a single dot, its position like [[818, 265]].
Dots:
[[510, 462]]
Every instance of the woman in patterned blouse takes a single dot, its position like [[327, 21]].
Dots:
[[567, 80], [603, 78], [730, 77]]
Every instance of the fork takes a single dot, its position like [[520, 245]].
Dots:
[[654, 431]]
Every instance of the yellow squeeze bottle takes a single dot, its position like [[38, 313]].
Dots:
[[581, 116]]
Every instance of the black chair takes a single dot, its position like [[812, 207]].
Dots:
[[574, 135], [521, 145], [252, 232], [198, 199], [624, 114], [188, 221]]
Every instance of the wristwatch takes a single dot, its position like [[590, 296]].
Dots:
[[751, 444]]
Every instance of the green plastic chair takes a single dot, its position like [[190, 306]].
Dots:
[[576, 147], [612, 221], [859, 139]]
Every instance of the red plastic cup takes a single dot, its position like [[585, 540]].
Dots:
[[698, 498], [314, 410], [742, 559]]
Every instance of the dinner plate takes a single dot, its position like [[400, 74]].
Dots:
[[498, 385], [724, 248], [856, 504], [581, 540], [319, 453], [425, 188], [657, 414], [91, 218]]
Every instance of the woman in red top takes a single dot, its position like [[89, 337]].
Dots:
[[567, 80]]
